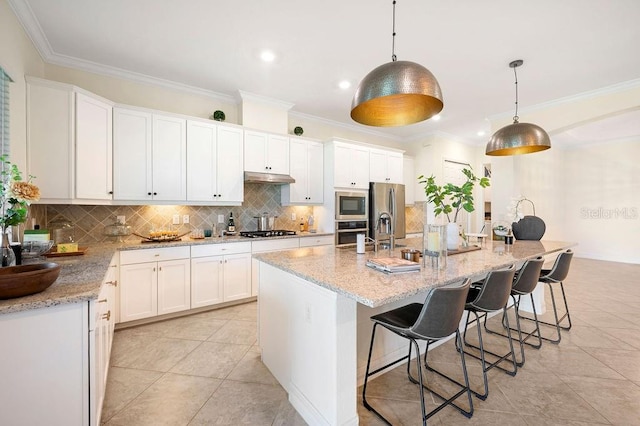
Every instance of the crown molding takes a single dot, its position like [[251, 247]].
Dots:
[[607, 90], [32, 27], [264, 100]]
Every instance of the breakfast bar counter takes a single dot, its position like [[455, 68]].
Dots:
[[314, 310]]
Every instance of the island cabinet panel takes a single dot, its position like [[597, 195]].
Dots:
[[268, 246]]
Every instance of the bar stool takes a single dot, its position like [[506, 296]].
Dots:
[[436, 319], [525, 281], [556, 275], [485, 297]]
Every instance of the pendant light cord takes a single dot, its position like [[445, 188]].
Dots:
[[393, 38], [515, 73]]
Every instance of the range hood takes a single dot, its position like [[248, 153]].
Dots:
[[255, 177]]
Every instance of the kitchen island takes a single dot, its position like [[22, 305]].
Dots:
[[314, 310]]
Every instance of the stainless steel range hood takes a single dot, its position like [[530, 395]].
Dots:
[[255, 177]]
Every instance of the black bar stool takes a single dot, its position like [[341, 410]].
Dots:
[[551, 277], [525, 281], [485, 297], [436, 319]]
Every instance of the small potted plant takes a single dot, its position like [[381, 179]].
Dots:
[[450, 198]]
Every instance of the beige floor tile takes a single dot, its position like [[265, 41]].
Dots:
[[627, 335], [189, 328], [616, 400], [236, 332], [541, 421], [211, 359], [172, 400], [627, 363], [152, 353], [123, 386], [251, 369], [574, 361], [240, 403], [397, 412], [592, 337]]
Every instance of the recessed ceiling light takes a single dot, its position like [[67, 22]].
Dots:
[[344, 84], [267, 56], [481, 133], [436, 117]]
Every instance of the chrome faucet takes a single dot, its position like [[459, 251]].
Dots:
[[387, 218], [375, 243]]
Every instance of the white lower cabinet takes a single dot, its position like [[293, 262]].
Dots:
[[56, 369], [220, 273], [154, 282], [317, 240]]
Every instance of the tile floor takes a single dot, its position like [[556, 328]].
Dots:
[[205, 369]]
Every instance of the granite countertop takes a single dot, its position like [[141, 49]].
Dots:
[[345, 272], [81, 276]]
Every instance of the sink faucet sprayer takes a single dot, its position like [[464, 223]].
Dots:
[[387, 219]]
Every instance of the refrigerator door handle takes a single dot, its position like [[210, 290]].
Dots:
[[392, 204]]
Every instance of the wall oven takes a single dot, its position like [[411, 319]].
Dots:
[[352, 206], [347, 231]]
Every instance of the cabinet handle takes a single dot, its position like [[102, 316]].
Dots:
[[215, 195], [155, 193], [102, 301], [107, 316], [154, 269], [110, 192], [157, 255], [148, 193], [113, 283], [160, 269], [225, 261]]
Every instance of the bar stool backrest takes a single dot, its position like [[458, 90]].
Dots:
[[528, 276], [560, 268], [441, 312], [495, 290]]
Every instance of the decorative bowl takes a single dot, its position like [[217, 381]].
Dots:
[[23, 280]]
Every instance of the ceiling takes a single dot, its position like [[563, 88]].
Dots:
[[569, 47]]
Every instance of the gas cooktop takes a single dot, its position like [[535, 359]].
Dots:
[[263, 234]]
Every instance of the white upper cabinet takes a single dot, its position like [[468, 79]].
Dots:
[[149, 156], [68, 143], [94, 148], [266, 153], [215, 163], [385, 166], [306, 167], [351, 166]]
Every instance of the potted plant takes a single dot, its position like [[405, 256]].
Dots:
[[451, 198]]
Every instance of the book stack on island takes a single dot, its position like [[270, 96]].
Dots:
[[393, 264]]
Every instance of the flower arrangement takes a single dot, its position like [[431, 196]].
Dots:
[[448, 197], [15, 195]]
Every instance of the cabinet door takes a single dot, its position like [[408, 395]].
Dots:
[[378, 167], [132, 164], [206, 281], [278, 154], [343, 167], [229, 165], [315, 159], [360, 167], [395, 168], [299, 191], [201, 161], [50, 139], [138, 291], [94, 154], [174, 286], [237, 276], [169, 158], [255, 151]]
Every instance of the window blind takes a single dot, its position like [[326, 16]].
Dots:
[[4, 112]]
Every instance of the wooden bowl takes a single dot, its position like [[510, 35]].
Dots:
[[23, 280]]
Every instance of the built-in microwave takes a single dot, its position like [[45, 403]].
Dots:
[[352, 205]]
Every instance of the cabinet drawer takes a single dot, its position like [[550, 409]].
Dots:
[[154, 255], [324, 240], [220, 249], [273, 245]]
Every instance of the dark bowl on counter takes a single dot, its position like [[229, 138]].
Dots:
[[23, 280]]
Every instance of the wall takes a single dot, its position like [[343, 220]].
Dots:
[[18, 57]]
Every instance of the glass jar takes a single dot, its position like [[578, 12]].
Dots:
[[62, 231]]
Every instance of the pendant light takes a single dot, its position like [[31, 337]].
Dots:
[[518, 138], [396, 93]]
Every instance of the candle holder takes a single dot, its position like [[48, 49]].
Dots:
[[434, 246]]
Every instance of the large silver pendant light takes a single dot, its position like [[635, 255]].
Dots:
[[396, 93], [518, 138]]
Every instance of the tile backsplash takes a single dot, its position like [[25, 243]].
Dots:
[[89, 221]]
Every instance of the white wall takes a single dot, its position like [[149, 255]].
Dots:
[[18, 57]]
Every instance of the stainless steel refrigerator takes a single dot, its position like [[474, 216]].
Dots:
[[386, 198]]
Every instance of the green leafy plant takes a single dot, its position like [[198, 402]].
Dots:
[[451, 198]]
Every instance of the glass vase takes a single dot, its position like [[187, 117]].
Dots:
[[7, 256], [435, 245]]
